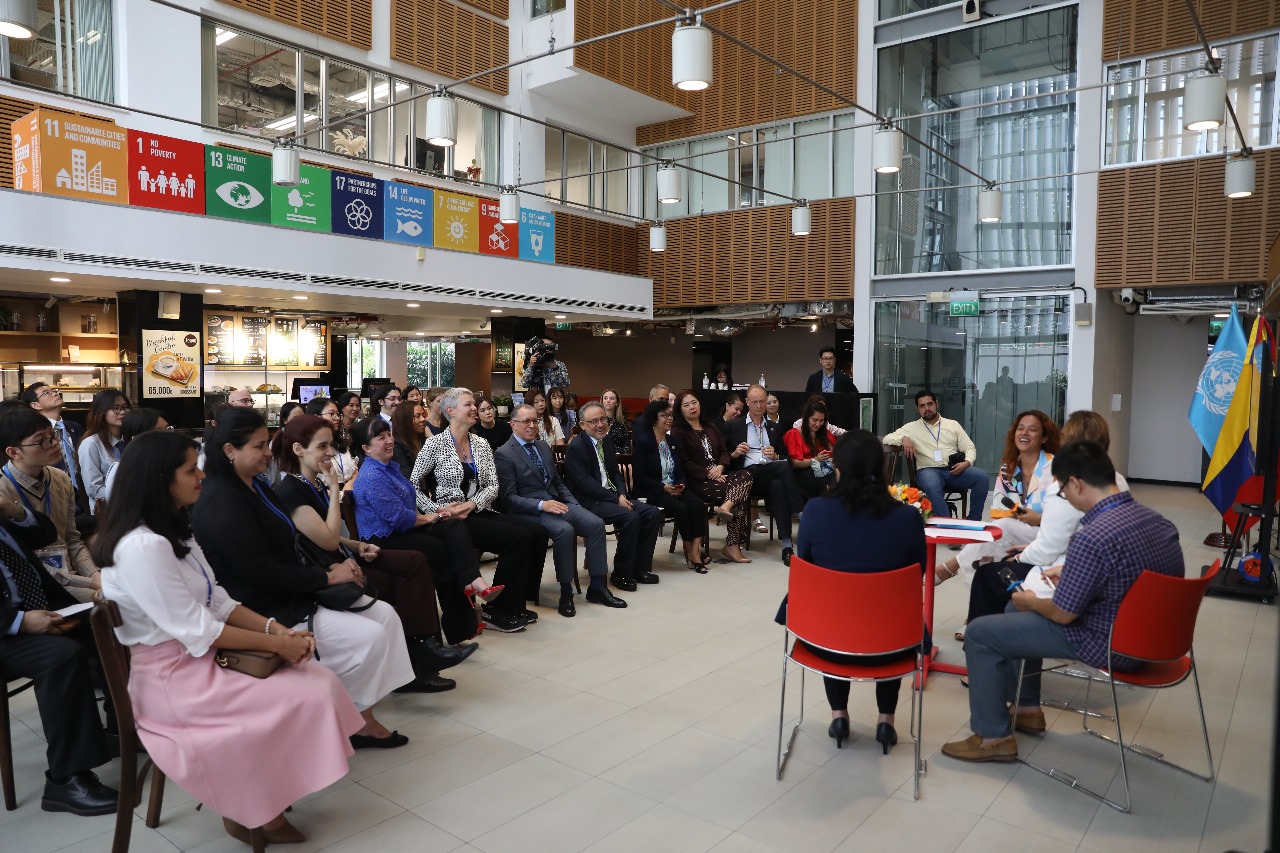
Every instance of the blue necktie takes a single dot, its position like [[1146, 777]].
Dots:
[[537, 460]]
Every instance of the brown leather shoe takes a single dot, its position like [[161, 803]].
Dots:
[[1031, 723], [971, 749]]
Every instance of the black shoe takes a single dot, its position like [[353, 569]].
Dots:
[[391, 741], [646, 577], [624, 584], [566, 607], [431, 682], [786, 556], [601, 595], [502, 623], [527, 616], [886, 736], [839, 729], [428, 655], [82, 794]]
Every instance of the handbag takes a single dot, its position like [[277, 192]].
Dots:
[[342, 596], [249, 661]]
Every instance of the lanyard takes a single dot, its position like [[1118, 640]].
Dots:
[[937, 439], [22, 493], [321, 496], [471, 461], [208, 584], [257, 487]]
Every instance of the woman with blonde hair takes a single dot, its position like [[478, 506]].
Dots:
[[611, 400]]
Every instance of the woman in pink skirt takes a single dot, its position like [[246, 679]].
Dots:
[[246, 747]]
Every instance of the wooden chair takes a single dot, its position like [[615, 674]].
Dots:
[[6, 743], [349, 514]]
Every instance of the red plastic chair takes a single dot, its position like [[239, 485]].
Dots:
[[1156, 624], [852, 613]]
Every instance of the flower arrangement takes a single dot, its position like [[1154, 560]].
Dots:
[[911, 496]]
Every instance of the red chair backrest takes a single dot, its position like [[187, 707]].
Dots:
[[861, 613], [1157, 618]]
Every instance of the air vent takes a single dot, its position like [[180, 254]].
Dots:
[[131, 263], [247, 272], [28, 252]]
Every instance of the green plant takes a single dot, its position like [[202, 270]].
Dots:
[[502, 400]]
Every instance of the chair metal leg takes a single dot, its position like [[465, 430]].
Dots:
[[917, 723], [6, 751], [1067, 672], [782, 712]]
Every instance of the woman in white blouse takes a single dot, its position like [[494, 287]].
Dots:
[[246, 747]]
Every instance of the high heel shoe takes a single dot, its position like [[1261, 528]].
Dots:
[[839, 729], [886, 736], [488, 595]]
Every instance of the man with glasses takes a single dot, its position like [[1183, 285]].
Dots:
[[47, 400], [529, 485], [384, 400], [757, 444], [241, 398], [591, 468], [828, 380]]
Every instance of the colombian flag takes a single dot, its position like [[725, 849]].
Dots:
[[1231, 470]]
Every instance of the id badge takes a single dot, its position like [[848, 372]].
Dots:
[[937, 456], [55, 561]]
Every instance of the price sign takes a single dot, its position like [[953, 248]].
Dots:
[[170, 364]]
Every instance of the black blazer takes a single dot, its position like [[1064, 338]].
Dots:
[[250, 549], [843, 382], [520, 486], [582, 471], [402, 456], [646, 464], [37, 535], [735, 432]]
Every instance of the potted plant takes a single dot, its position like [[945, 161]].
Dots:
[[502, 403]]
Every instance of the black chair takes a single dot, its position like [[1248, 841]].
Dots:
[[6, 744]]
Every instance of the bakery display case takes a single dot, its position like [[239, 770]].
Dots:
[[263, 353]]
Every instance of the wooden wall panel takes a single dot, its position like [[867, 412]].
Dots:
[[596, 244], [816, 37], [1170, 224], [11, 109], [750, 256], [497, 8], [1137, 27], [449, 40], [347, 21]]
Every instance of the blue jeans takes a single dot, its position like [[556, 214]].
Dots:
[[935, 481], [993, 647]]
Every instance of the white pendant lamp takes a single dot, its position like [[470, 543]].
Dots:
[[657, 238], [990, 202], [18, 19], [286, 164], [1241, 176], [1204, 101], [691, 57], [508, 206], [801, 220], [886, 151], [668, 184], [442, 119]]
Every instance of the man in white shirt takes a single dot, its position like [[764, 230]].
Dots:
[[756, 445], [385, 400], [944, 456]]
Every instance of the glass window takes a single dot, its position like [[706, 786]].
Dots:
[[347, 94], [252, 82], [746, 168], [545, 7], [313, 106], [813, 159], [430, 364], [844, 162], [1123, 109], [773, 152], [709, 194], [897, 8], [553, 158], [577, 163], [617, 182], [366, 358], [476, 154], [71, 53], [382, 136]]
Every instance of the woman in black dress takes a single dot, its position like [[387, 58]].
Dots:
[[705, 465], [658, 468]]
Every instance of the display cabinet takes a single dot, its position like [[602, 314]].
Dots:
[[263, 353]]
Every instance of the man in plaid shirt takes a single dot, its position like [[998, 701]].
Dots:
[[1118, 538]]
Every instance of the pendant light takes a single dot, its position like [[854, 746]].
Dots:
[[18, 19], [886, 152], [657, 237], [668, 184], [1204, 101], [442, 119], [508, 206], [990, 202], [801, 220], [691, 57], [286, 163], [1241, 175]]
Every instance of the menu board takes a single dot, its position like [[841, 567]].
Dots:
[[315, 337], [284, 343], [170, 364], [251, 346], [254, 340], [219, 339]]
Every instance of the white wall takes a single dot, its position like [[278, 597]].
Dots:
[[1167, 359], [1112, 375], [785, 356]]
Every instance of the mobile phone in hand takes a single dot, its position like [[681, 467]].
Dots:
[[1010, 579]]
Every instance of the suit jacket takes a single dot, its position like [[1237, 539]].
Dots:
[[646, 464], [38, 535], [694, 455], [735, 432], [843, 382], [520, 486], [582, 470]]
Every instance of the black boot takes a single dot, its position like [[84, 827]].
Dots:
[[427, 654]]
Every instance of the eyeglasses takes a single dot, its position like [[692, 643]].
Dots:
[[391, 399], [49, 440], [120, 410], [524, 420], [48, 392], [596, 421]]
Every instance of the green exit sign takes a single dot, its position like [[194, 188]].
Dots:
[[563, 327], [964, 303]]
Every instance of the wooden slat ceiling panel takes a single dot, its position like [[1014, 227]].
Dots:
[[347, 21], [450, 40], [1112, 217], [497, 8], [11, 109], [1137, 27], [596, 244]]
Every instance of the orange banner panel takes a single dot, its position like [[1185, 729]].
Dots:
[[71, 154]]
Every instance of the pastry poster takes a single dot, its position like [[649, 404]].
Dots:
[[170, 364]]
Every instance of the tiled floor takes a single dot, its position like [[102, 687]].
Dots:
[[655, 728]]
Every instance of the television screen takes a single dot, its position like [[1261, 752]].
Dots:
[[307, 392]]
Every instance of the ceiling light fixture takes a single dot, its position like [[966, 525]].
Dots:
[[495, 310], [887, 150], [286, 163], [60, 280], [508, 205], [990, 202], [222, 36], [691, 68], [442, 119], [668, 183], [801, 219], [212, 290], [1221, 315], [657, 238], [411, 305], [1241, 176], [561, 316], [299, 297], [18, 19], [1204, 101], [814, 327]]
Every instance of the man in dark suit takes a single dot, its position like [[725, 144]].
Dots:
[[591, 469], [828, 379], [37, 643], [47, 400], [529, 485], [757, 445]]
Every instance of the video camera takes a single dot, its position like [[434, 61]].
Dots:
[[539, 352]]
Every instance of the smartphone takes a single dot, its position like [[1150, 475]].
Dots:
[[679, 487], [1009, 578]]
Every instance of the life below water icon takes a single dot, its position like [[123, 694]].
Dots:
[[413, 229]]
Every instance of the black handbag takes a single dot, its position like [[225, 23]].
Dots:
[[342, 596]]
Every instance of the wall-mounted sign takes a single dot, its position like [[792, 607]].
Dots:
[[166, 173], [407, 213], [537, 236], [457, 221], [357, 205], [170, 364], [964, 303], [237, 184], [305, 206], [497, 238], [71, 154]]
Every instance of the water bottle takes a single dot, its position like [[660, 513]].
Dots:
[[762, 385], [706, 381]]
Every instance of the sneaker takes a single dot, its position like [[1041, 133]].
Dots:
[[503, 623], [527, 616]]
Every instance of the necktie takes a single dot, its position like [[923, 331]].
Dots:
[[608, 481], [68, 452], [537, 461], [25, 576]]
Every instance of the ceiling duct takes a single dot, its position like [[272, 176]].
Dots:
[[726, 328]]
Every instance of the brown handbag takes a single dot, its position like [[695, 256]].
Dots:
[[249, 661]]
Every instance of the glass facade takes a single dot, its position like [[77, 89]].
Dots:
[[569, 162], [983, 370], [898, 8], [545, 7], [72, 52], [430, 364]]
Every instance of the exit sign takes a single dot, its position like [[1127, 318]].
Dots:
[[964, 303], [563, 327]]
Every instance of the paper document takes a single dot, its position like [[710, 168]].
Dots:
[[960, 523], [1036, 583], [74, 610], [966, 535]]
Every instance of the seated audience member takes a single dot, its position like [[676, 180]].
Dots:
[[591, 472], [493, 431], [351, 410], [31, 479], [831, 428], [657, 392], [343, 466], [557, 410], [290, 410], [248, 538], [412, 394], [1026, 474], [571, 407], [386, 515], [1117, 540], [203, 725], [890, 535], [530, 487], [827, 379], [241, 398], [408, 430], [756, 445], [549, 429], [619, 434], [436, 421], [809, 447], [135, 424], [658, 469], [100, 447], [384, 400], [732, 411], [944, 457], [53, 651], [303, 450], [701, 447], [463, 485], [721, 377], [47, 400], [773, 409]]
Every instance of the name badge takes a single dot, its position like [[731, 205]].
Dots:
[[56, 560], [937, 456]]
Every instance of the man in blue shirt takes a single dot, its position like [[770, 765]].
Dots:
[[828, 379], [1118, 538]]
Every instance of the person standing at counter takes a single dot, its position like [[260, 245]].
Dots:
[[828, 380], [47, 400]]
